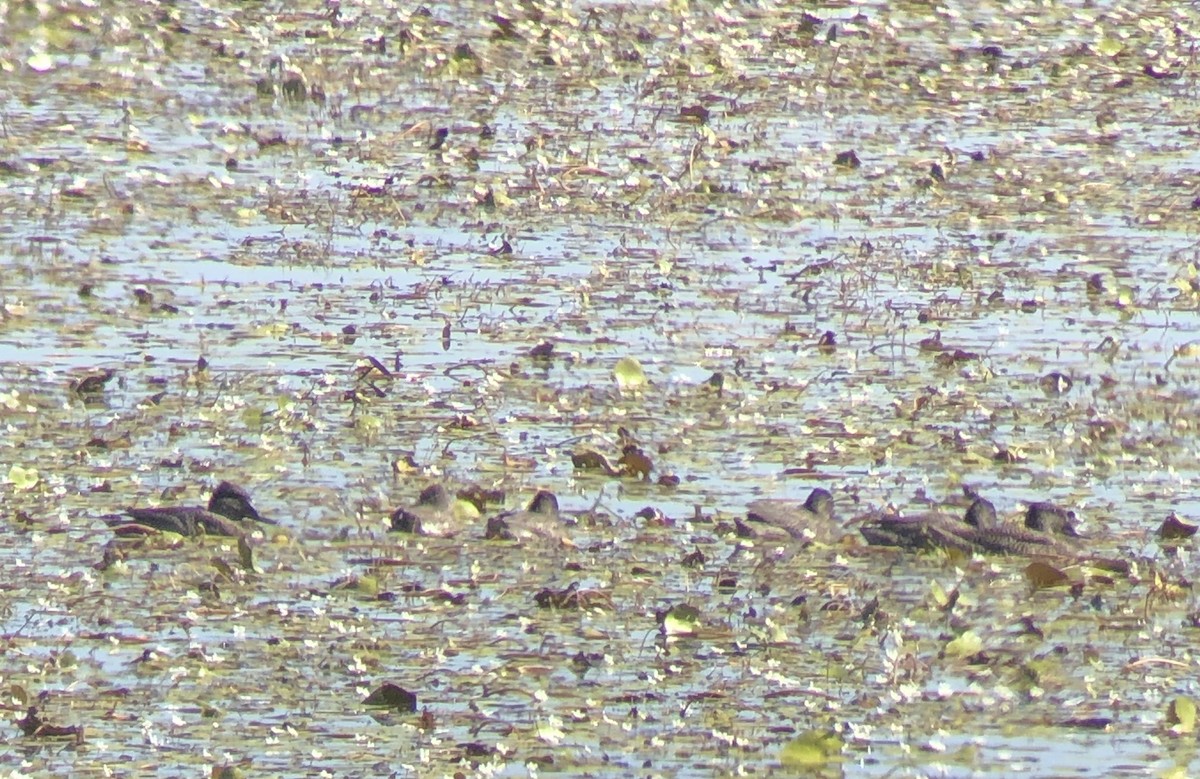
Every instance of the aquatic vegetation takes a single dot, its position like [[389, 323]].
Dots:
[[680, 265]]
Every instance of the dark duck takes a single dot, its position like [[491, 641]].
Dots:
[[228, 506]]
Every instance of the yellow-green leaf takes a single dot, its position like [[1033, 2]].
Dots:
[[22, 479], [629, 374], [811, 748], [940, 598], [368, 423], [549, 731], [41, 62], [464, 510], [273, 330], [681, 621], [969, 643], [9, 400], [1181, 715]]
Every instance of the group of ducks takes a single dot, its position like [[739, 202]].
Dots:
[[230, 506], [1047, 530]]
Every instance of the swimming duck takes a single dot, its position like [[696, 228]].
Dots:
[[1049, 518], [540, 520], [228, 505], [977, 533], [779, 519], [433, 506], [437, 512], [981, 513]]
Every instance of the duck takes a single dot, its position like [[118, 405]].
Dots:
[[433, 513], [981, 514], [540, 520], [776, 519], [912, 532], [227, 507], [973, 533], [1049, 518], [978, 532], [433, 505]]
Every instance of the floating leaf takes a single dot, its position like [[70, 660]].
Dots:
[[22, 479], [629, 374], [774, 633], [940, 598], [245, 554], [463, 509], [226, 772], [19, 694], [549, 731], [1181, 715], [969, 643], [10, 400], [368, 424], [811, 748], [681, 620], [1187, 350], [40, 62], [368, 585], [1043, 575], [392, 696], [1109, 47], [272, 330], [949, 359]]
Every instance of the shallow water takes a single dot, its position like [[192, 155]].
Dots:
[[730, 246]]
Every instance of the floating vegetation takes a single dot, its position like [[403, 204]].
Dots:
[[674, 266]]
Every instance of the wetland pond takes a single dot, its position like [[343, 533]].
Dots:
[[663, 259]]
